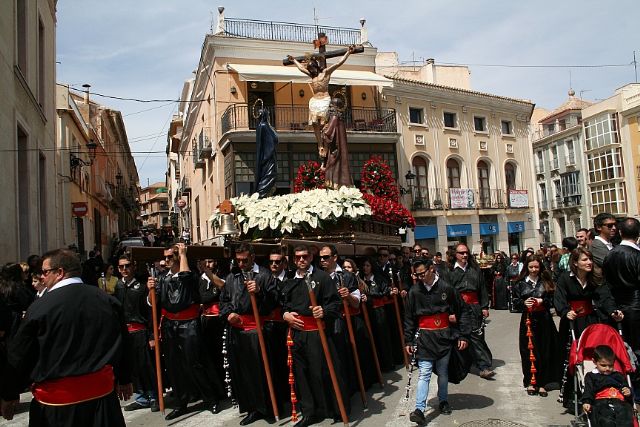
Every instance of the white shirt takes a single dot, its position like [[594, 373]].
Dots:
[[609, 245], [456, 265], [66, 282], [281, 276], [433, 284], [310, 270], [631, 244]]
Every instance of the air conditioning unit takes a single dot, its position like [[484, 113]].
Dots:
[[510, 148], [419, 139], [483, 146], [453, 143]]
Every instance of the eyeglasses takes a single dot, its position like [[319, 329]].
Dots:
[[305, 256], [242, 260], [610, 225], [463, 253], [417, 251], [123, 266], [419, 275], [46, 271], [275, 261], [325, 257]]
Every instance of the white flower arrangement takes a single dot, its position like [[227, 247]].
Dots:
[[306, 210]]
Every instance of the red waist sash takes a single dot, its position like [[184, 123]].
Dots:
[[353, 311], [609, 393], [212, 309], [274, 316], [388, 300], [378, 302], [135, 327], [582, 307], [470, 297], [247, 322], [433, 322], [310, 323], [76, 389]]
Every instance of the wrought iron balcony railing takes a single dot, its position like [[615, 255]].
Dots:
[[294, 118], [288, 32]]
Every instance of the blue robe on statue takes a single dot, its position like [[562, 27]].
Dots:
[[266, 156]]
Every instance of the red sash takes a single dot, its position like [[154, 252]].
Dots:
[[536, 308], [274, 316], [353, 311], [609, 393], [470, 297], [434, 322], [378, 302], [247, 322], [187, 314], [310, 323], [582, 307], [135, 327], [387, 300], [212, 309], [75, 389]]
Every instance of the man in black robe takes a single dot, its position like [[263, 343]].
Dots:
[[466, 278], [430, 334], [133, 297], [188, 368], [70, 345], [248, 378], [213, 325], [315, 390]]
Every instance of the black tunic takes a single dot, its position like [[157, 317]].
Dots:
[[248, 378], [607, 412], [442, 298], [212, 326], [73, 330], [380, 323], [133, 297], [546, 345], [188, 368], [313, 383], [472, 280]]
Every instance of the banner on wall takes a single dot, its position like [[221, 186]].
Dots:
[[518, 198], [461, 198]]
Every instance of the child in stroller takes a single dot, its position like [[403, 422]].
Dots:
[[606, 394]]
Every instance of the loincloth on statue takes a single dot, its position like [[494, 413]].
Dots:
[[319, 109]]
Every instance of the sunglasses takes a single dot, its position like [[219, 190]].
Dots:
[[305, 256], [610, 225], [325, 257], [419, 275], [123, 266], [46, 271], [275, 261], [463, 253]]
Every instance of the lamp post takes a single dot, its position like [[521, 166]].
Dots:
[[409, 177]]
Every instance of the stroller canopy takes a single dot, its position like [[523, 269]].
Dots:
[[593, 336]]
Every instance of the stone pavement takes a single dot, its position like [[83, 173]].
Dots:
[[474, 401]]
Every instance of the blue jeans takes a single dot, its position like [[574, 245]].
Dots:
[[425, 368], [144, 398]]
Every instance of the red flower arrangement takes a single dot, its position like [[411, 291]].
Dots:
[[377, 178], [310, 177], [381, 193]]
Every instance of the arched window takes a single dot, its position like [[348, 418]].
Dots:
[[483, 184], [453, 173], [510, 176], [420, 166]]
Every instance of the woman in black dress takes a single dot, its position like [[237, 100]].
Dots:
[[533, 295], [580, 300]]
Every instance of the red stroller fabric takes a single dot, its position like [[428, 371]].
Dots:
[[593, 336]]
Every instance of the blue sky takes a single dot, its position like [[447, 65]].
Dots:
[[146, 48]]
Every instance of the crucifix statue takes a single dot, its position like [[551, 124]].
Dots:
[[315, 66]]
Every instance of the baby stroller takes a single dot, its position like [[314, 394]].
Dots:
[[580, 362]]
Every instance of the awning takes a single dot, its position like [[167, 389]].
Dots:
[[280, 73]]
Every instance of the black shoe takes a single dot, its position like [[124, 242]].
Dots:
[[134, 406], [251, 418], [176, 413], [306, 421], [212, 406], [445, 408], [155, 406], [417, 417]]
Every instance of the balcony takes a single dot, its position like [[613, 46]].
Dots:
[[295, 118], [288, 32], [428, 199], [490, 198], [198, 158], [185, 187], [204, 144]]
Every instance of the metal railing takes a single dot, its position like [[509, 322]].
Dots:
[[462, 198], [491, 198], [294, 118], [288, 32], [428, 198]]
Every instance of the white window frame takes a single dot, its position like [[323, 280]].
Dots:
[[605, 165], [600, 131], [608, 198], [571, 154], [423, 116], [484, 121], [455, 126], [539, 162], [511, 131]]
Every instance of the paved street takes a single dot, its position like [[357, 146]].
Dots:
[[474, 399]]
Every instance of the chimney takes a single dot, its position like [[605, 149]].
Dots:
[[364, 34], [220, 27], [430, 65], [86, 87]]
